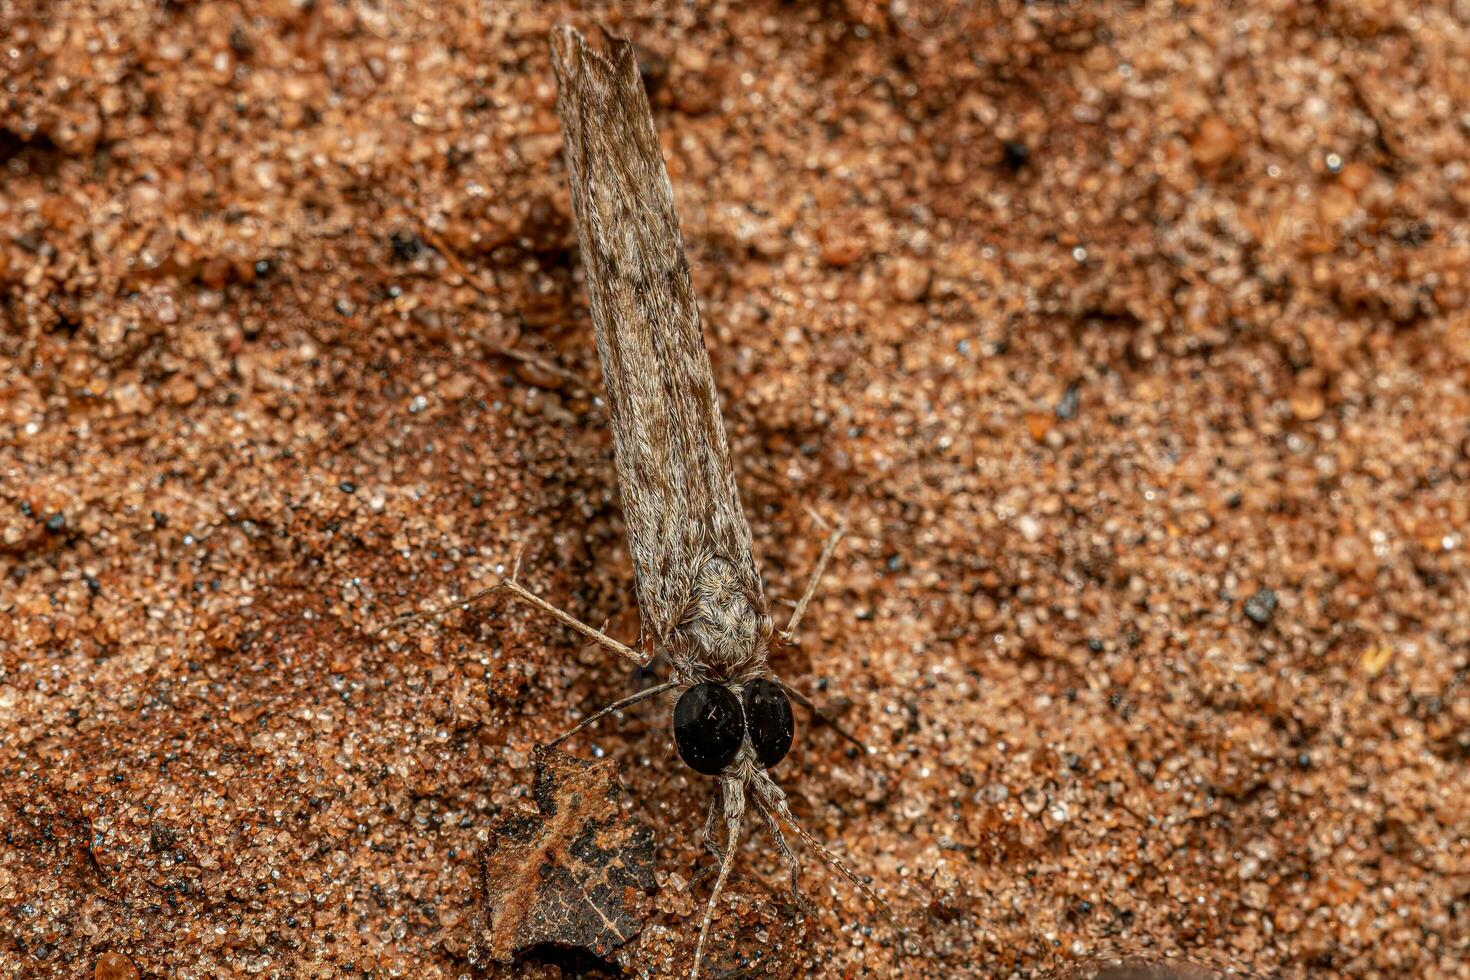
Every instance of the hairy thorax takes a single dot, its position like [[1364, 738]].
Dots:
[[725, 631]]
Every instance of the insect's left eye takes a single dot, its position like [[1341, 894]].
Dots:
[[768, 720], [708, 727]]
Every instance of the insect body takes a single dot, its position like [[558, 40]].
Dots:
[[699, 591]]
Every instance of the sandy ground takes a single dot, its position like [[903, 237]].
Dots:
[[1128, 338]]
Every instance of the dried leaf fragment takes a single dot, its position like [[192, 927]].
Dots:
[[572, 874]]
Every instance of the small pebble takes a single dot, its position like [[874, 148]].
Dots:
[[1260, 607], [911, 279], [1068, 404], [1214, 143], [1307, 404], [114, 966]]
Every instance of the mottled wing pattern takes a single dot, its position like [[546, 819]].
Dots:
[[679, 498]]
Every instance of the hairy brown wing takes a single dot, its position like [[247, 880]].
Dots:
[[679, 498]]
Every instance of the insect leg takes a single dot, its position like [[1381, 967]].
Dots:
[[734, 794], [597, 636], [631, 699], [788, 635], [521, 592]]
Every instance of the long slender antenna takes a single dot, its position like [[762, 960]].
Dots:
[[734, 792], [802, 905], [710, 843], [771, 796]]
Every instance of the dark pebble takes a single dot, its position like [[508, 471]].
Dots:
[[240, 42], [1017, 154], [406, 246], [56, 523], [1071, 400], [1260, 607], [347, 486]]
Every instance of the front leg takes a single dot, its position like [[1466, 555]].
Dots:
[[525, 595], [788, 635], [711, 844], [595, 635]]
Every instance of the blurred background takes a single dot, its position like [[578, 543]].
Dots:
[[1128, 337]]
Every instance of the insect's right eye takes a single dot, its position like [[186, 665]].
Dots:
[[708, 727], [768, 717]]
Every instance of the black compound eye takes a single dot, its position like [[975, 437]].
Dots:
[[768, 719], [708, 727]]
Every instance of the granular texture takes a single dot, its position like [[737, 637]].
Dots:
[[1098, 323]]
